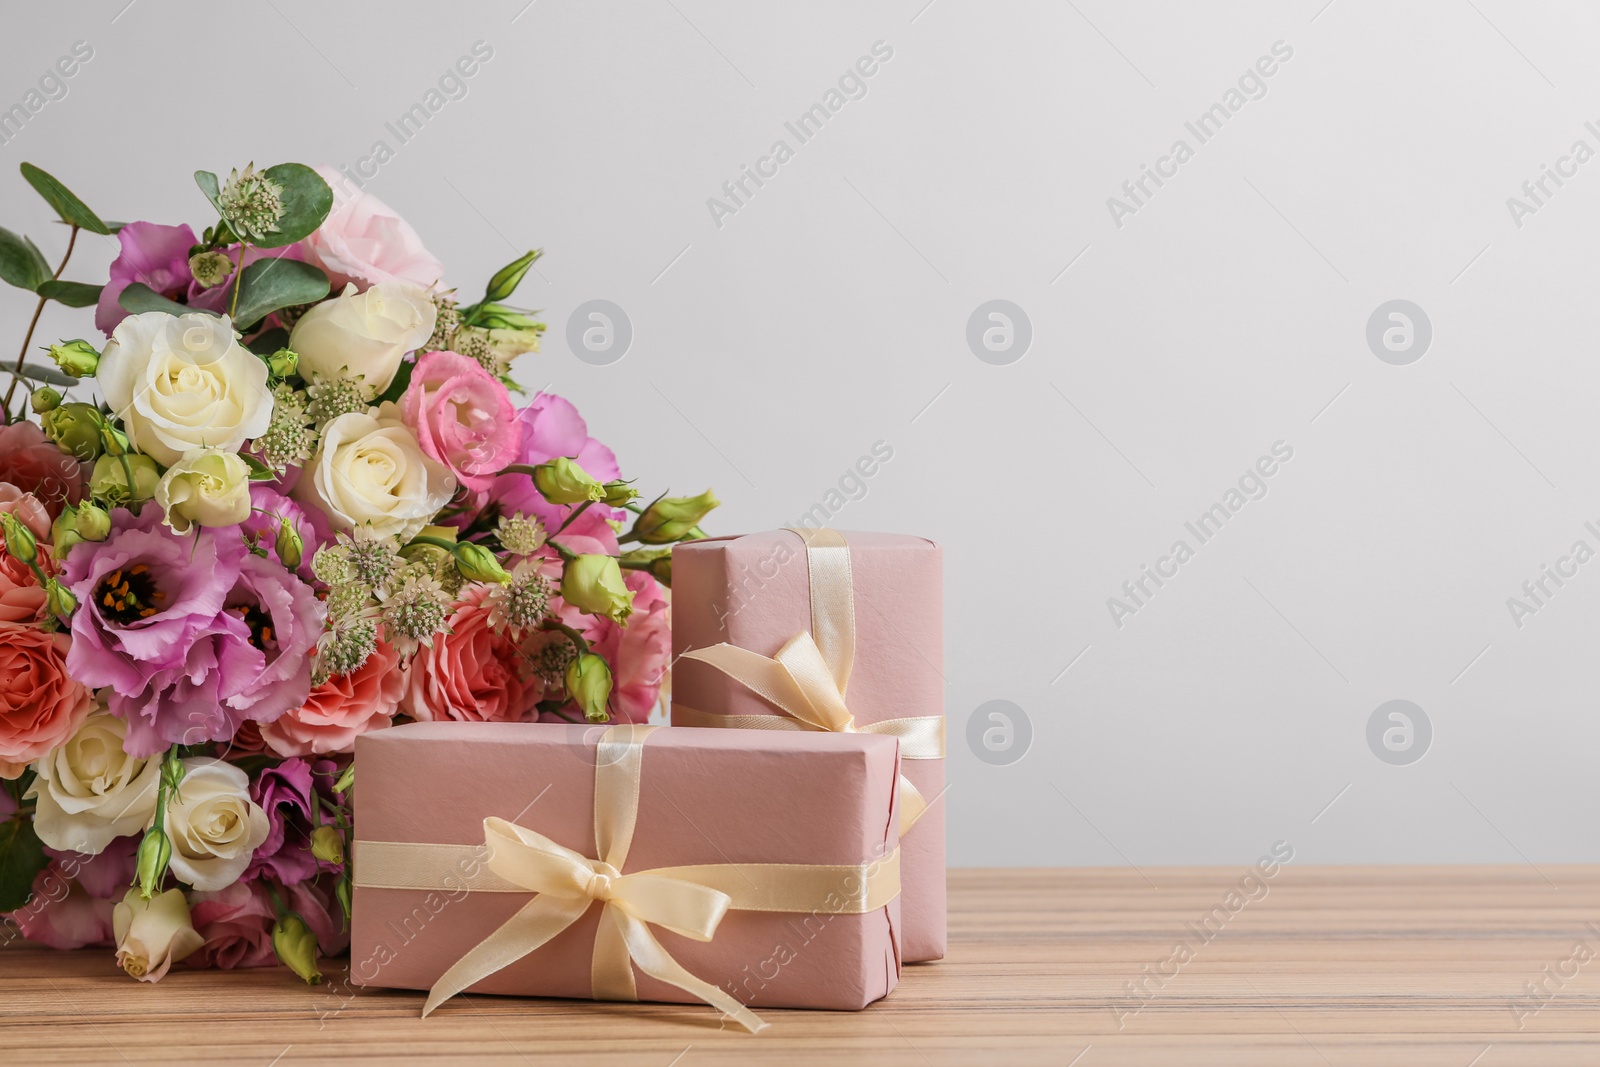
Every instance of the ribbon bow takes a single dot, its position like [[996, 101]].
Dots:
[[807, 679], [567, 884]]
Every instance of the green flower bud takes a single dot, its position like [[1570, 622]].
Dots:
[[619, 494], [77, 358], [562, 481], [327, 844], [283, 362], [291, 548], [64, 532], [210, 269], [94, 522], [672, 518], [59, 599], [44, 399], [75, 428], [342, 892], [589, 684], [115, 441], [155, 853], [296, 947], [594, 584], [656, 562], [109, 482], [20, 542], [478, 564], [346, 781]]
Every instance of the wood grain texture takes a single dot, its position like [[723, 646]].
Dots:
[[1332, 966]]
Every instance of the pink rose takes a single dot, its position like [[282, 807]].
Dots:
[[364, 242], [30, 462], [341, 709], [27, 508], [62, 914], [462, 417], [471, 673], [21, 598], [40, 705], [236, 923], [637, 653]]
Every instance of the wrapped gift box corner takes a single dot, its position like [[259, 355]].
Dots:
[[754, 591], [706, 797]]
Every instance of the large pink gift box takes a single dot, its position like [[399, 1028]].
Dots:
[[728, 797], [756, 592]]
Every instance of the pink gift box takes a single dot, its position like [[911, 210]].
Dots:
[[706, 797], [754, 592]]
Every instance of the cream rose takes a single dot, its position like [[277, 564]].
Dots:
[[90, 791], [206, 487], [365, 334], [370, 470], [214, 825], [180, 382], [153, 934]]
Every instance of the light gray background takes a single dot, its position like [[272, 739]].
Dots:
[[830, 313]]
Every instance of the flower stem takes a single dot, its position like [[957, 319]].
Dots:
[[573, 635], [572, 515], [34, 322]]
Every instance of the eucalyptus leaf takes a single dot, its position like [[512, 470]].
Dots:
[[22, 856], [269, 341], [508, 277], [21, 262], [270, 284], [208, 185], [69, 207], [306, 201], [48, 375], [259, 471], [139, 297], [72, 294]]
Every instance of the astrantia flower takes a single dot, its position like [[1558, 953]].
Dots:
[[521, 536], [415, 609], [289, 439], [346, 646], [522, 603], [332, 395], [252, 203], [193, 635]]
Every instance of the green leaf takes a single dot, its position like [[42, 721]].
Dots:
[[48, 375], [72, 294], [259, 471], [269, 341], [69, 207], [270, 284], [22, 856], [208, 185], [21, 262], [306, 202], [139, 297], [508, 277], [397, 388]]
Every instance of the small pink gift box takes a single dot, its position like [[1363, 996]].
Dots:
[[872, 605], [427, 891]]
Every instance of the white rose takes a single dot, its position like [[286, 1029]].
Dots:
[[90, 791], [179, 382], [207, 487], [214, 825], [369, 470], [153, 934], [365, 334]]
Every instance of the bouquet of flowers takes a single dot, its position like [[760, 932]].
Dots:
[[292, 500]]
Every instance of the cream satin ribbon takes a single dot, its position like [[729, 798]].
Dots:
[[689, 900], [807, 679]]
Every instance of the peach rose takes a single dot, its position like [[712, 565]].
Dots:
[[21, 598], [40, 706], [27, 508], [30, 461], [341, 709], [472, 673]]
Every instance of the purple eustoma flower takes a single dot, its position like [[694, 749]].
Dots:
[[288, 794], [152, 254], [192, 633]]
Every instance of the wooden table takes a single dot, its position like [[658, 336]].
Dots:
[[1394, 965]]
